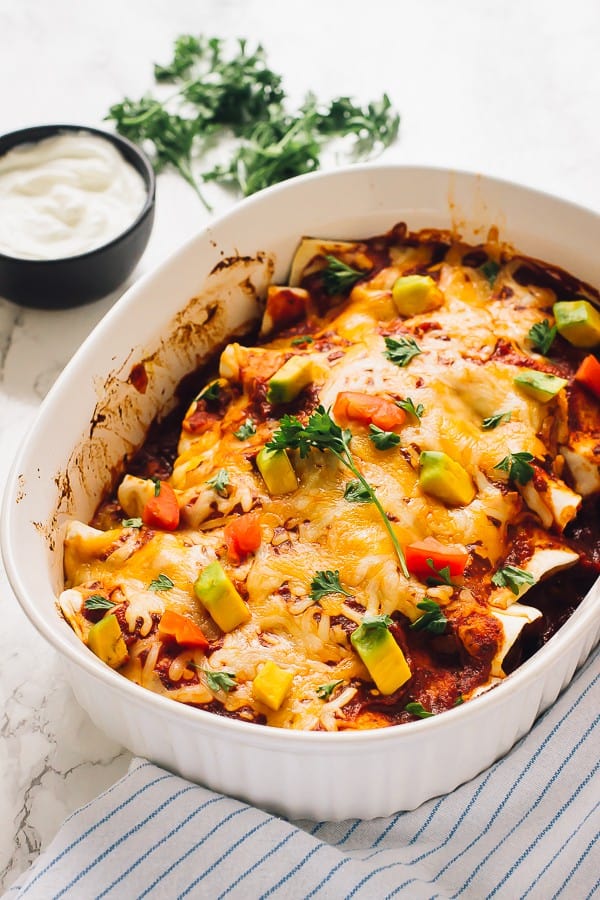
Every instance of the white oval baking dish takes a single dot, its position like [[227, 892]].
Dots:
[[170, 320]]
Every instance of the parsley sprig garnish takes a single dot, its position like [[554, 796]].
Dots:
[[542, 336], [237, 102], [438, 576], [324, 691], [132, 523], [322, 433], [409, 407], [338, 277], [219, 482], [220, 681], [513, 578], [326, 582], [433, 619], [493, 421], [518, 467], [161, 583], [418, 710], [400, 351], [97, 601], [383, 440], [356, 493], [246, 430]]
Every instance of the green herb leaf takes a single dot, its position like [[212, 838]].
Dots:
[[439, 576], [459, 700], [210, 393], [513, 578], [433, 619], [324, 691], [400, 351], [322, 433], [237, 101], [371, 624], [97, 601], [418, 710], [326, 582], [409, 407], [303, 339], [493, 421], [356, 493], [246, 430], [132, 523], [490, 271], [219, 482], [383, 440], [338, 277], [157, 486], [220, 681], [518, 467], [542, 336], [162, 583]]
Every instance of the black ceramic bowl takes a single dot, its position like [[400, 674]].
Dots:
[[76, 280]]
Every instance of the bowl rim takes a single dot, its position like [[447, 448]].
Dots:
[[77, 653], [33, 134]]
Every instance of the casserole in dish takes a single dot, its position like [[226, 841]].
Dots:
[[112, 399]]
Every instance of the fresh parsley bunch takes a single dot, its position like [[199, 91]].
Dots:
[[219, 97]]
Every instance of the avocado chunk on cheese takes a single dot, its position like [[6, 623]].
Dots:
[[277, 471], [217, 594], [540, 385], [290, 380], [415, 294], [578, 322], [380, 653], [444, 478], [105, 639], [271, 685]]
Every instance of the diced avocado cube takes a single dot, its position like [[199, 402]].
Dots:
[[444, 478], [277, 471], [218, 595], [105, 639], [414, 294], [540, 385], [578, 322], [271, 685], [380, 653], [289, 380]]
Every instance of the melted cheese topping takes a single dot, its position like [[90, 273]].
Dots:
[[470, 350]]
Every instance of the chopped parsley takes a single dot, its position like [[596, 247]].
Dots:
[[438, 576], [512, 578], [433, 619], [518, 467], [418, 710], [211, 392], [493, 421], [326, 582], [157, 486], [383, 440], [303, 339], [324, 691], [219, 482], [400, 351], [162, 583], [220, 681], [409, 407], [542, 336], [339, 277], [246, 430], [131, 523], [490, 271], [97, 601], [355, 492]]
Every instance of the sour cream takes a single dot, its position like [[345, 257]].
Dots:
[[65, 195]]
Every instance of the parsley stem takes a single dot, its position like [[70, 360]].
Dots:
[[347, 461]]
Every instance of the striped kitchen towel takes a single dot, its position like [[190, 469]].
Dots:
[[526, 827]]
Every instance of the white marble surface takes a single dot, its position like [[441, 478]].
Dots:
[[509, 89]]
